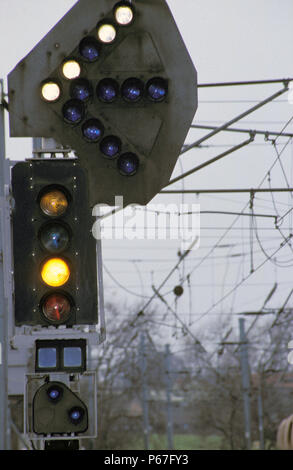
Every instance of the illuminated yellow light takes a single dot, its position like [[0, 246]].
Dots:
[[54, 203], [71, 69], [55, 272], [50, 91], [124, 15], [106, 33]]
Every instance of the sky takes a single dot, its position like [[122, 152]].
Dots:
[[229, 40]]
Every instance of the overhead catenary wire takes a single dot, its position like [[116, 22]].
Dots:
[[251, 273], [237, 118], [223, 236]]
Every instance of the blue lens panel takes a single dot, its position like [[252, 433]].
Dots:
[[132, 90], [73, 111], [157, 89], [110, 146], [128, 164], [72, 357], [47, 358], [89, 49], [92, 130], [107, 90], [81, 90]]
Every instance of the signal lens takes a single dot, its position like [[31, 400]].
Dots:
[[157, 89], [54, 203], [92, 130], [76, 415], [107, 90], [81, 90], [54, 393], [110, 146], [73, 111], [55, 272], [56, 308], [132, 90], [123, 14], [106, 33], [128, 164], [89, 49], [71, 69], [54, 238], [50, 91]]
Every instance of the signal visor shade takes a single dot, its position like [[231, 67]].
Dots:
[[54, 203], [56, 308], [123, 14], [106, 33], [55, 272], [50, 91], [71, 69]]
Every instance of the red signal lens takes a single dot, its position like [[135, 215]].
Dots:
[[56, 308]]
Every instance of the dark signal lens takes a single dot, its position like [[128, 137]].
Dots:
[[157, 89], [110, 146], [132, 90], [128, 164], [92, 130], [107, 90], [89, 49], [56, 308], [73, 111], [55, 393], [54, 238], [76, 414], [81, 89]]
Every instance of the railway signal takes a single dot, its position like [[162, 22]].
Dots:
[[54, 250], [114, 82], [57, 410]]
